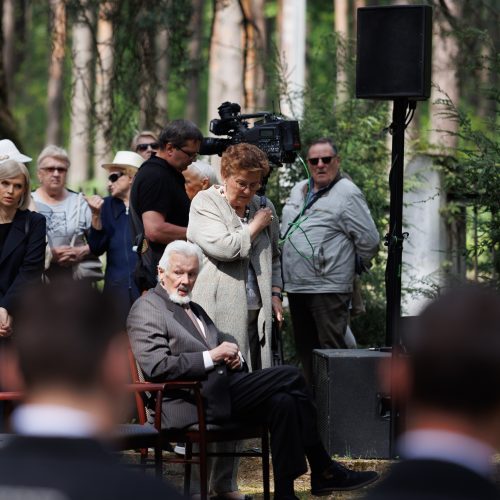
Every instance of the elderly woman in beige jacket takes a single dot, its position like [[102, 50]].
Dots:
[[240, 282]]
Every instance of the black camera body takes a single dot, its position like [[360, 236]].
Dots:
[[277, 137]]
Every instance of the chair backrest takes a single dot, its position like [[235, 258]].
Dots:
[[143, 412]]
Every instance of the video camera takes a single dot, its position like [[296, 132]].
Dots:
[[277, 137]]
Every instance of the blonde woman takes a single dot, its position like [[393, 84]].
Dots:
[[22, 239]]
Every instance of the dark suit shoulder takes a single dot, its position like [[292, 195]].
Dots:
[[74, 469], [432, 480]]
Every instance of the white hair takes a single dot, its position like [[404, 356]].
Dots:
[[180, 247], [204, 170]]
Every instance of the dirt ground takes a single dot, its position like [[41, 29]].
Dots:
[[250, 476]]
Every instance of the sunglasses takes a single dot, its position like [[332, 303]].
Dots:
[[115, 176], [60, 170], [325, 159], [144, 147]]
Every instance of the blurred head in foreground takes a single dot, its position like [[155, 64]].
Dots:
[[451, 379], [67, 350]]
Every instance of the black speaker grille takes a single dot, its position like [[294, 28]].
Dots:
[[394, 52]]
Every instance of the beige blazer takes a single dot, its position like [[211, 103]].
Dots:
[[221, 285]]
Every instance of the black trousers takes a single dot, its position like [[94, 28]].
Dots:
[[319, 322], [279, 397]]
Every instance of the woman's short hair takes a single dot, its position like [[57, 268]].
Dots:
[[52, 151], [243, 156], [181, 247], [11, 168]]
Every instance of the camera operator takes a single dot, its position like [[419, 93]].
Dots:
[[159, 203], [326, 224]]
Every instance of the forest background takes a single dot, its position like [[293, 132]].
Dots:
[[88, 74]]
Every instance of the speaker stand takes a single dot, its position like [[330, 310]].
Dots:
[[394, 241]]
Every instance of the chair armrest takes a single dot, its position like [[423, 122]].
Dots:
[[11, 395], [160, 389]]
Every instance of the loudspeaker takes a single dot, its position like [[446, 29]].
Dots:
[[353, 415], [394, 52]]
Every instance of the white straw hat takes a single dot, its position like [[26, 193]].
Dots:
[[8, 151], [125, 159]]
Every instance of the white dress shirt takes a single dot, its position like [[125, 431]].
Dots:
[[53, 421], [449, 447]]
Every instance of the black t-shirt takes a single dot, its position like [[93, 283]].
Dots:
[[160, 188]]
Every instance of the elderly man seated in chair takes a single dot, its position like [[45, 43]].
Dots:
[[173, 338]]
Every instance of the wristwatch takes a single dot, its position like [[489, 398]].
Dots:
[[278, 294]]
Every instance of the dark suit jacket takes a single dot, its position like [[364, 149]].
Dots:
[[168, 346], [22, 257], [432, 480], [71, 469]]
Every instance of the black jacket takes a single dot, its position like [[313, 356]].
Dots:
[[22, 256]]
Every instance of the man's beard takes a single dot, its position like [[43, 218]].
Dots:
[[178, 299]]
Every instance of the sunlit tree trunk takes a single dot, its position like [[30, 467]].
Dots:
[[226, 61], [162, 66], [292, 26], [56, 72], [446, 87], [254, 47], [103, 76], [341, 9], [193, 95], [81, 102]]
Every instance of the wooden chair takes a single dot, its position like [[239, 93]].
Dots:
[[202, 434]]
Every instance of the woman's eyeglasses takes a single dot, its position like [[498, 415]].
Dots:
[[115, 176], [325, 159], [254, 186], [144, 147]]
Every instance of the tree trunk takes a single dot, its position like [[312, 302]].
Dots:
[[292, 27], [341, 9], [9, 37], [446, 86], [193, 96], [103, 77], [81, 102], [444, 75], [226, 62], [56, 71], [254, 49], [147, 85], [162, 67], [7, 124]]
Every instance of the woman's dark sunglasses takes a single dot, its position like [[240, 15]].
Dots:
[[114, 177], [325, 159], [144, 147]]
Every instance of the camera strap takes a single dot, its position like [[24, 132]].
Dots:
[[312, 201]]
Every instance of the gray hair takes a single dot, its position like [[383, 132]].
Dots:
[[204, 170], [11, 168], [52, 151], [180, 247]]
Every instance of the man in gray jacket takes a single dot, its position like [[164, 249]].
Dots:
[[326, 225]]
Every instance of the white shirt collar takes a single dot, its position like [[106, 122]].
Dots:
[[448, 446], [54, 421]]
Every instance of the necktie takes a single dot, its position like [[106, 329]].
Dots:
[[194, 320]]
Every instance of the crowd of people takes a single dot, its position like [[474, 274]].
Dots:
[[196, 265]]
